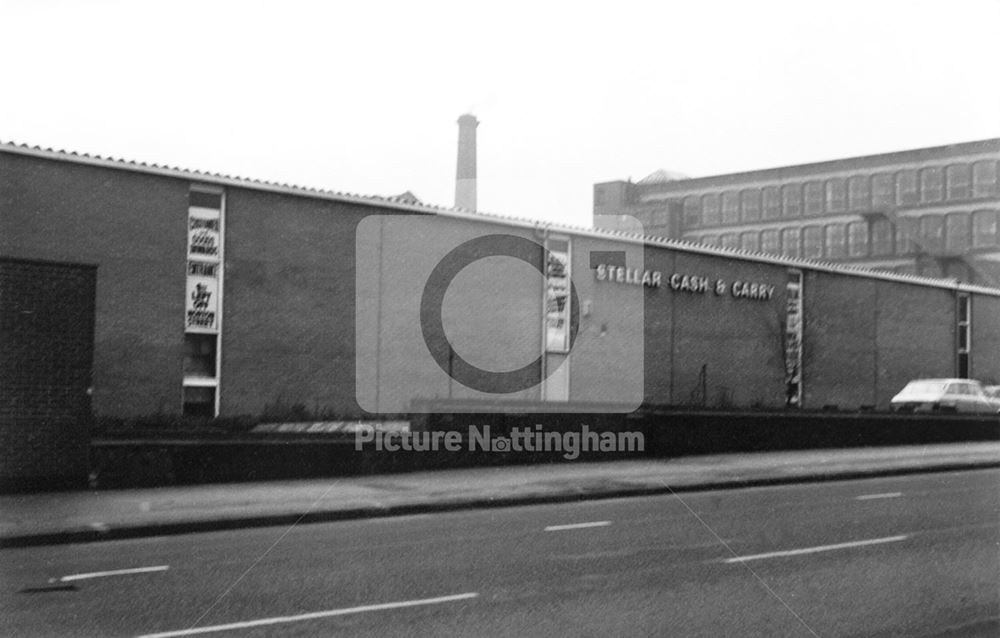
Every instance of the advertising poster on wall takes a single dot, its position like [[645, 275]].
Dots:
[[557, 298], [202, 305]]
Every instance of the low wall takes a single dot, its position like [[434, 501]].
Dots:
[[665, 434]]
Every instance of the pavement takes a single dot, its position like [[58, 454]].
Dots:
[[71, 517], [906, 555]]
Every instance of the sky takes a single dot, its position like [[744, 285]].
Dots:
[[362, 97]]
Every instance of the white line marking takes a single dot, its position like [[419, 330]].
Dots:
[[311, 616], [813, 550], [116, 572], [559, 528], [870, 497]]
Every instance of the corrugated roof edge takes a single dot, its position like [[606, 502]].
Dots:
[[393, 202]]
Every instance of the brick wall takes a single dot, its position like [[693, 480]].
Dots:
[[133, 226], [46, 353], [288, 325]]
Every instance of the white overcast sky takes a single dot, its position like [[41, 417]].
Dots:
[[363, 96]]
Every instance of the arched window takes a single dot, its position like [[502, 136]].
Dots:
[[772, 202], [906, 188], [906, 230], [932, 232], [857, 239], [958, 181], [859, 195], [985, 231], [881, 238], [984, 178], [956, 233], [791, 200], [791, 242], [692, 212], [710, 209], [932, 184], [814, 198], [769, 242], [836, 195], [812, 242], [883, 191], [835, 241], [730, 207], [751, 204]]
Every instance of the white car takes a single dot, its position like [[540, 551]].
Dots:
[[944, 395]]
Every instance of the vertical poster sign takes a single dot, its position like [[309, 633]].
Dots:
[[203, 233], [557, 297], [203, 272], [793, 339]]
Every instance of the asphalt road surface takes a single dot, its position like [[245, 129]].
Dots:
[[907, 556]]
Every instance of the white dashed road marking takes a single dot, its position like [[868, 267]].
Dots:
[[814, 550], [559, 528], [116, 572], [312, 616]]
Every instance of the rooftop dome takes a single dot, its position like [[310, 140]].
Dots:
[[662, 175]]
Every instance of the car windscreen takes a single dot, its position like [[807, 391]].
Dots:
[[924, 388]]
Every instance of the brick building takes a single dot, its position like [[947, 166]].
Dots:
[[220, 295], [929, 211]]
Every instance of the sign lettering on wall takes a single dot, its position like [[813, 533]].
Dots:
[[684, 282], [201, 306]]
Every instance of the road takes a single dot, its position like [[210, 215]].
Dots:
[[905, 556]]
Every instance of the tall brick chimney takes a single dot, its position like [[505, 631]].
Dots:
[[465, 179]]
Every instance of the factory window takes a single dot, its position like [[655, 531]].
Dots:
[[751, 204], [985, 231], [598, 196], [199, 401], [205, 199], [730, 207], [964, 334], [812, 242], [906, 230], [710, 240], [836, 195], [932, 232], [883, 192], [769, 241], [932, 184], [731, 240], [710, 209], [692, 212], [984, 179], [959, 181], [772, 202], [814, 198], [750, 241], [791, 200], [203, 301], [857, 239], [791, 242], [906, 187], [859, 193], [881, 233], [199, 355], [956, 234], [835, 239]]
